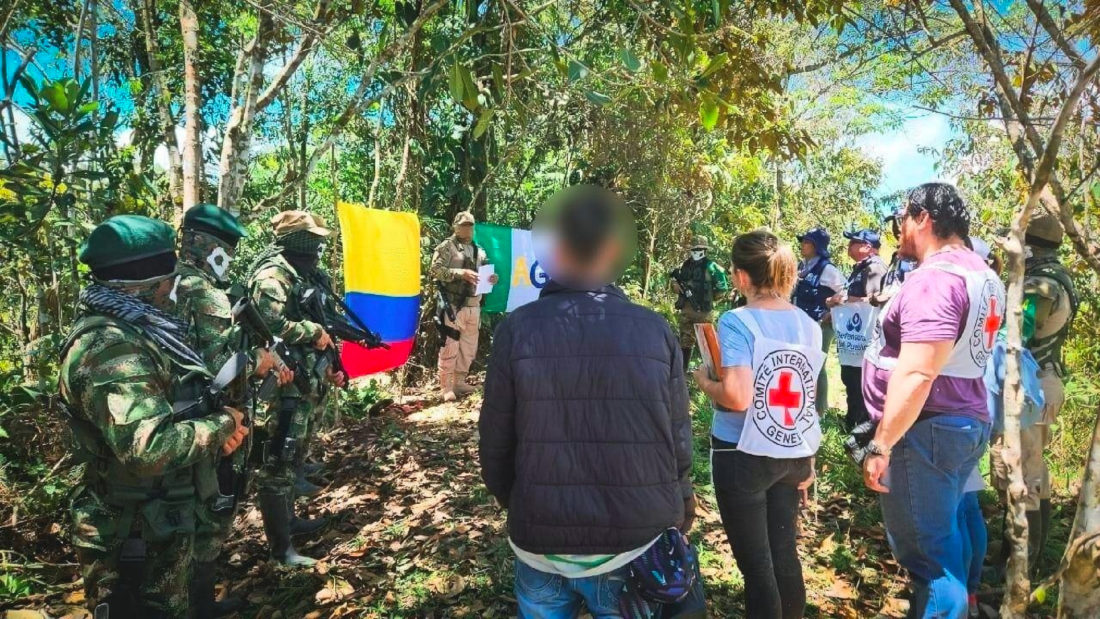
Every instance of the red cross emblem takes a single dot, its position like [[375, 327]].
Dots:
[[992, 323], [785, 397]]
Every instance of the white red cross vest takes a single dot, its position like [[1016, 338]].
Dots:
[[781, 421], [972, 350]]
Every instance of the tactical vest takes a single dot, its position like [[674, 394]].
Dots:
[[457, 290], [696, 274], [1048, 350], [809, 294], [857, 281], [159, 506], [294, 311]]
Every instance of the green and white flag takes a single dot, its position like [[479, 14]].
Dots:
[[512, 253]]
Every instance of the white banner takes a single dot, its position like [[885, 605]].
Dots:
[[853, 323]]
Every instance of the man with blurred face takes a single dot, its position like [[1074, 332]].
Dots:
[[923, 383], [454, 268], [589, 483], [864, 281], [818, 279]]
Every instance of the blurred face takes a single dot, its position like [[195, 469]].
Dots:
[[698, 254], [809, 250], [465, 232], [859, 250]]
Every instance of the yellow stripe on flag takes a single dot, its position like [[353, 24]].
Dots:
[[381, 250]]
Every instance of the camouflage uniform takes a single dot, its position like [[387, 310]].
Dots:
[[450, 259], [1050, 304], [708, 281], [139, 485], [205, 306], [276, 288]]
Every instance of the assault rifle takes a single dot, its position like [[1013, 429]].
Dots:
[[344, 325], [687, 293], [443, 311], [248, 317]]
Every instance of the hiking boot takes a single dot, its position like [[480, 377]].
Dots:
[[303, 487], [460, 387], [312, 469], [446, 386], [275, 509], [202, 594], [306, 526]]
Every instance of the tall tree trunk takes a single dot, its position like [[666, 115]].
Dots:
[[164, 105], [247, 82], [192, 104], [1078, 594]]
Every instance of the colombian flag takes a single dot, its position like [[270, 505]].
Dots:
[[381, 283]]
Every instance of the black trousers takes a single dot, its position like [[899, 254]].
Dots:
[[852, 377], [758, 499]]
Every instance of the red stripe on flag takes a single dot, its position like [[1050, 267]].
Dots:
[[360, 361]]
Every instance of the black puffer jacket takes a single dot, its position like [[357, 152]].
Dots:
[[585, 432]]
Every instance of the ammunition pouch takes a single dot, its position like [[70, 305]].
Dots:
[[282, 447]]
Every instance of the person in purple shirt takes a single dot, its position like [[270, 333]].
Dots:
[[922, 380]]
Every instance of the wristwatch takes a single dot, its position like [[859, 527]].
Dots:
[[878, 449]]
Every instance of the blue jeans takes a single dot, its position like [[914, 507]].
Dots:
[[550, 596], [975, 539], [928, 469]]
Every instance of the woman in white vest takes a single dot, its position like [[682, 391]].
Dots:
[[766, 429]]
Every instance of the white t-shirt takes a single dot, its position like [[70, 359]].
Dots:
[[579, 566]]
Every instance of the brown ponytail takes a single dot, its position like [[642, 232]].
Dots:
[[770, 265]]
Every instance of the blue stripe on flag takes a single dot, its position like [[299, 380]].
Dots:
[[392, 318]]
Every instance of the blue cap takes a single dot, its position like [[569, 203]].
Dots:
[[865, 235], [820, 239]]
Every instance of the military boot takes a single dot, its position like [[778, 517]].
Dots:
[[446, 386], [202, 594], [1034, 539], [460, 387], [304, 526], [312, 469], [303, 487], [276, 514]]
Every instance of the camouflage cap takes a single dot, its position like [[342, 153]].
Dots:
[[297, 221], [464, 218], [214, 220], [127, 238], [699, 242], [1044, 230]]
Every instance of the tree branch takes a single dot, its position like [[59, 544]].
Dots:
[[1047, 22]]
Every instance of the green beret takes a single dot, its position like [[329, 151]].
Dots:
[[126, 238], [214, 220]]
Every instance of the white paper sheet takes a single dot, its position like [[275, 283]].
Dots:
[[484, 273]]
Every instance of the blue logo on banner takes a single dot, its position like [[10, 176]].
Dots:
[[855, 323], [538, 276]]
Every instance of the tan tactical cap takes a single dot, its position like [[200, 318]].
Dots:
[[463, 218], [294, 221], [699, 242], [1044, 229]]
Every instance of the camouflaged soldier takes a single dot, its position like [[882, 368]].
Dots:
[[454, 269], [209, 241], [277, 287], [1050, 305], [697, 283], [126, 374]]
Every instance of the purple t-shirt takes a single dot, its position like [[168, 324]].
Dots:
[[931, 306]]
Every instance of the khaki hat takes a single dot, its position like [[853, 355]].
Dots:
[[699, 242], [1044, 230], [296, 221], [463, 218]]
